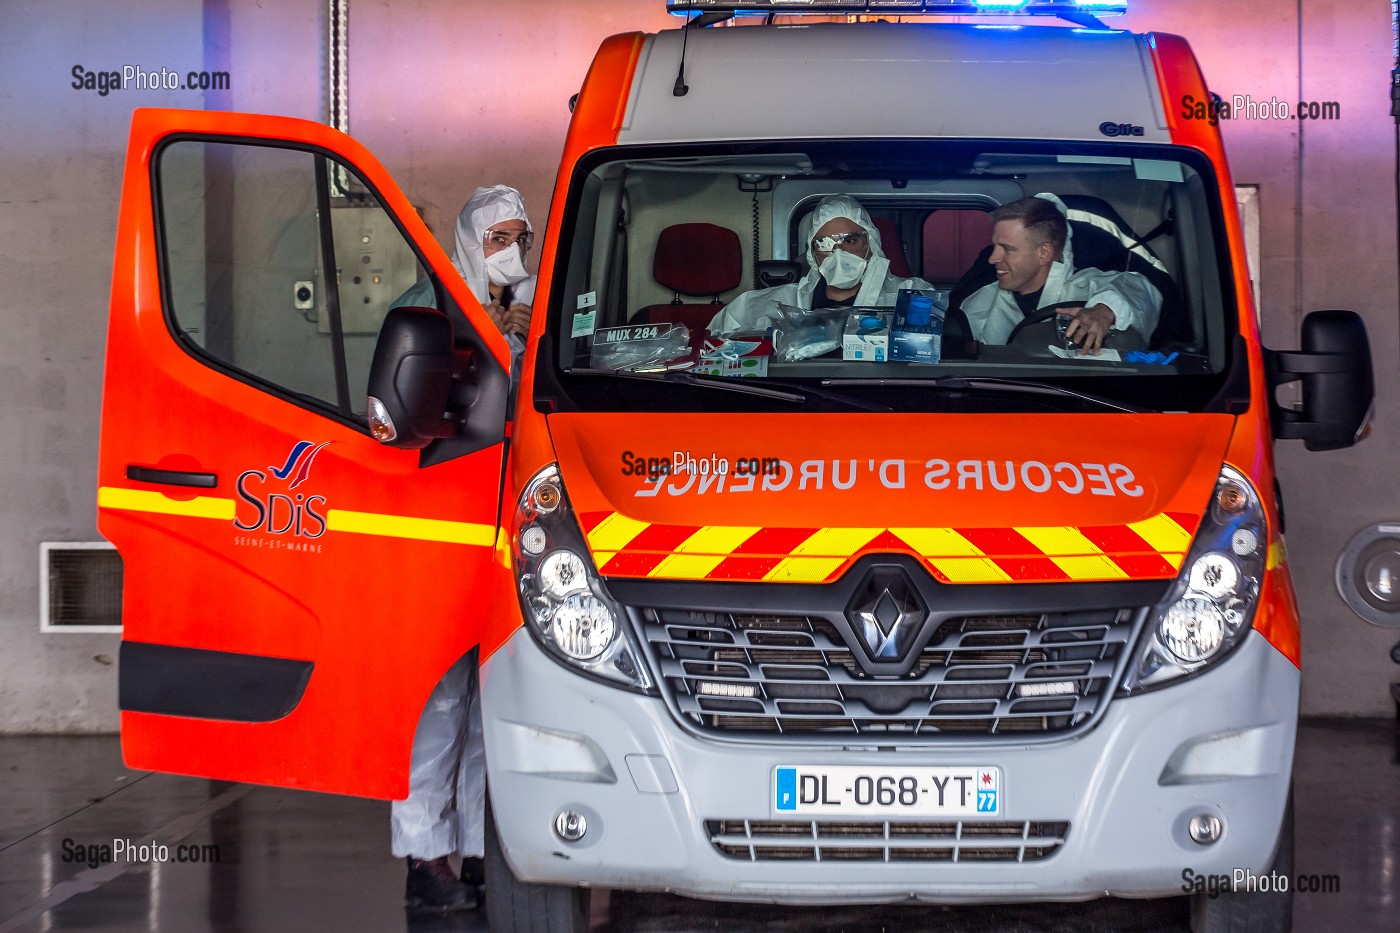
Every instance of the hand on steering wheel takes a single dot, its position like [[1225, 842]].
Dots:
[[1041, 315], [1089, 327]]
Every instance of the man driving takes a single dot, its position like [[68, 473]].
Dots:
[[1034, 262]]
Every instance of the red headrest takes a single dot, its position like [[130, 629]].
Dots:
[[698, 259], [894, 249]]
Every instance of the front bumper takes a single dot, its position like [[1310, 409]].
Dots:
[[1221, 743]]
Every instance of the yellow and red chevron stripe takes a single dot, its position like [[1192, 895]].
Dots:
[[1149, 549]]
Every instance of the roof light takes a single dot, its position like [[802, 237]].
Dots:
[[1074, 10]]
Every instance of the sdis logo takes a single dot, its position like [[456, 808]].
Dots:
[[281, 513]]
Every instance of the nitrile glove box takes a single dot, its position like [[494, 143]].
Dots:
[[911, 343], [867, 336], [918, 343]]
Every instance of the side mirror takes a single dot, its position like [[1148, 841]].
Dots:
[[1338, 387], [410, 379]]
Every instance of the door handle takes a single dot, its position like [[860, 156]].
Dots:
[[171, 477]]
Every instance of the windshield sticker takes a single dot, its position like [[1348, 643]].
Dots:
[[770, 474], [1157, 170], [1094, 160], [585, 322]]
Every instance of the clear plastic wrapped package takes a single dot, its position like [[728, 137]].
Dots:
[[642, 348], [802, 335]]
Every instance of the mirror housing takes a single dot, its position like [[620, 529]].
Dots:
[[411, 377], [1338, 386]]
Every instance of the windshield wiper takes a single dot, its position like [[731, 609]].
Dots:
[[1007, 386], [789, 392], [716, 382]]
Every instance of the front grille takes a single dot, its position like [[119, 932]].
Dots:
[[1021, 674], [828, 841]]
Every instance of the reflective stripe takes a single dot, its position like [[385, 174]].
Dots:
[[614, 532], [402, 526], [1073, 553], [145, 500], [686, 566], [716, 539], [804, 569], [1150, 549], [365, 523], [969, 570], [1165, 535], [842, 542], [952, 555]]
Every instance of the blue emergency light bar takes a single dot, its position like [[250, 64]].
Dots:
[[1073, 10]]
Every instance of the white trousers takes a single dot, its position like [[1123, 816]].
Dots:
[[445, 810]]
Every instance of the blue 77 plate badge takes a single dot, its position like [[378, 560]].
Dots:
[[887, 792]]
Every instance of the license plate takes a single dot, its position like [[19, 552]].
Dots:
[[843, 790]]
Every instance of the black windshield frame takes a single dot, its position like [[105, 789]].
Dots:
[[1215, 390]]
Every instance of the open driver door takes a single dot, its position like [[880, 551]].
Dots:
[[293, 588]]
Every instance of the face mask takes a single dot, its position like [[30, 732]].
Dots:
[[842, 269], [505, 267]]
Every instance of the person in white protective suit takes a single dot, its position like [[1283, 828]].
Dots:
[[493, 237], [1034, 261], [846, 267], [445, 810]]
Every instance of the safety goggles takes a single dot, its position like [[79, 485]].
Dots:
[[851, 242], [501, 239]]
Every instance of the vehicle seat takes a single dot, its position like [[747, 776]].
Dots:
[[893, 247], [1100, 239], [693, 260], [774, 272]]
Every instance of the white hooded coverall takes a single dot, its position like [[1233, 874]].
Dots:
[[484, 209], [446, 806], [758, 309], [992, 311]]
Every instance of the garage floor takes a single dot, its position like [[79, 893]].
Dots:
[[296, 861]]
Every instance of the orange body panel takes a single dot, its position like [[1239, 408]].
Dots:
[[1026, 498], [596, 121], [1251, 446], [336, 586]]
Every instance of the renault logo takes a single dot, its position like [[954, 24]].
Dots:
[[886, 613]]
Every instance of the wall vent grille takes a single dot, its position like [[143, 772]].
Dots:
[[80, 587]]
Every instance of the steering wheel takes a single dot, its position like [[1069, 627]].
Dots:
[[1039, 316]]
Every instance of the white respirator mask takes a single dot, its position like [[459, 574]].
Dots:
[[842, 269], [506, 267]]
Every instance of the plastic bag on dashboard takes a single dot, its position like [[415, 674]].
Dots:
[[800, 334], [643, 348]]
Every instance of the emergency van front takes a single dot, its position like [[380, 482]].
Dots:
[[759, 620]]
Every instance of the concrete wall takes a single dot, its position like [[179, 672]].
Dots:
[[452, 94], [1327, 240]]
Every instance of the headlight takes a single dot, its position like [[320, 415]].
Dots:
[[1210, 607], [583, 627], [561, 596]]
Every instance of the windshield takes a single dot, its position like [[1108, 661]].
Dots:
[[985, 275]]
